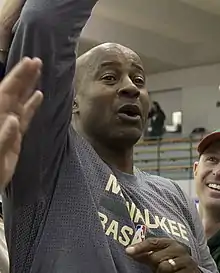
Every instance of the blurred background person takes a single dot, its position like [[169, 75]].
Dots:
[[157, 121]]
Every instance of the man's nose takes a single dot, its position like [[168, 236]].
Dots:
[[216, 171], [129, 89]]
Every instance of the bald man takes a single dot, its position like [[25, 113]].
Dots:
[[76, 203]]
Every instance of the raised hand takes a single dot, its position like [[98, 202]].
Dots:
[[18, 105]]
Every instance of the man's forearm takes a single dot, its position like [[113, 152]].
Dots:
[[9, 14], [49, 30], [5, 39]]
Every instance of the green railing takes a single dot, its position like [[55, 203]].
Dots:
[[170, 157]]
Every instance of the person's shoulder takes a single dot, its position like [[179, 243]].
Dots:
[[214, 246], [157, 181], [168, 191], [161, 185], [214, 242]]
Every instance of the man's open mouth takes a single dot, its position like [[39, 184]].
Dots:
[[130, 112]]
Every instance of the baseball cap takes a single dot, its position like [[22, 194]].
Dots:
[[208, 140]]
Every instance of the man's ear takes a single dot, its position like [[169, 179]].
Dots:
[[75, 106], [195, 168]]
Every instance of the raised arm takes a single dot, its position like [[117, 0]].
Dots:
[[48, 29]]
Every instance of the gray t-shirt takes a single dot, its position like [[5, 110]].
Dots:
[[66, 211], [91, 213]]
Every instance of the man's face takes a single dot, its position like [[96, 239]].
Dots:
[[114, 103], [207, 176]]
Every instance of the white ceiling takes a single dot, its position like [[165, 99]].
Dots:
[[167, 34], [212, 6]]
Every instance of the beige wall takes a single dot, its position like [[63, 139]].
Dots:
[[188, 186], [199, 94]]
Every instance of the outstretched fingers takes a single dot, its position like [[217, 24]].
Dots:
[[8, 134], [18, 85], [30, 109]]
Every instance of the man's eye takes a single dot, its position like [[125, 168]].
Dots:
[[110, 78], [139, 81], [212, 159]]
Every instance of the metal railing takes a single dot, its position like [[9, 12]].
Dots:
[[170, 157]]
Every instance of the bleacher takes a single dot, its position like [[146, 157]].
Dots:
[[171, 157]]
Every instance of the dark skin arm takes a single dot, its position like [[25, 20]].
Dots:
[[156, 252], [9, 14]]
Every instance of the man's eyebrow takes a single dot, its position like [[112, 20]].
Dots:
[[118, 64], [109, 63], [138, 66], [106, 64]]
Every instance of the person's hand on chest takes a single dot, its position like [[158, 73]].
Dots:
[[163, 255]]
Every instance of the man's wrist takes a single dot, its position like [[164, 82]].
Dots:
[[5, 38]]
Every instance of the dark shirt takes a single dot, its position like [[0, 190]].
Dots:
[[2, 70], [214, 246]]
